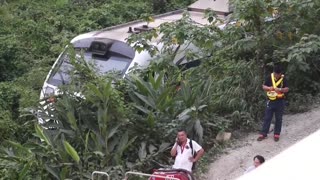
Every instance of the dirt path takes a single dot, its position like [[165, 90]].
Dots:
[[236, 159]]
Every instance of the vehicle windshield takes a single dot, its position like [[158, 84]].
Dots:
[[60, 75], [117, 59]]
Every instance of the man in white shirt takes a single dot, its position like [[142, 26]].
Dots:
[[185, 152]]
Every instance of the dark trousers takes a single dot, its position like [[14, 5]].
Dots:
[[275, 107]]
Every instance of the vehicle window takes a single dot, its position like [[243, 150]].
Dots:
[[60, 75], [113, 63], [117, 59], [123, 49]]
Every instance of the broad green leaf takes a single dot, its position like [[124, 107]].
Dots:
[[123, 142], [72, 120], [24, 171], [145, 110], [112, 143], [64, 172], [142, 86], [113, 131], [142, 151], [107, 91], [87, 141], [71, 151], [129, 143], [152, 80], [99, 153], [95, 91], [202, 106], [96, 138], [198, 129], [184, 115], [41, 135], [164, 99], [52, 171], [164, 146], [158, 81], [151, 120], [18, 146], [146, 100], [152, 148]]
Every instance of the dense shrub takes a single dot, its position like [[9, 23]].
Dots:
[[98, 132]]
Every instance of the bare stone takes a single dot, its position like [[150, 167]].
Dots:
[[223, 136]]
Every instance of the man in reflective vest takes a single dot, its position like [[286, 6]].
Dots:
[[275, 86]]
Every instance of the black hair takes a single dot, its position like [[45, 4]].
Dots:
[[182, 130], [260, 158], [277, 69]]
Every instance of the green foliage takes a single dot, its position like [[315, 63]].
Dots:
[[299, 103], [13, 99], [18, 162], [289, 38], [255, 42], [304, 65], [154, 101], [7, 125], [9, 98], [91, 133], [9, 106], [161, 6], [91, 136], [38, 30], [107, 124], [33, 33]]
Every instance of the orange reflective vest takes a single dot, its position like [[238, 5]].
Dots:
[[273, 95]]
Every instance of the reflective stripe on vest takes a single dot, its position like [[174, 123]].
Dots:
[[272, 95], [276, 84]]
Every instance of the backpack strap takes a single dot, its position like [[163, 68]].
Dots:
[[193, 155], [191, 146]]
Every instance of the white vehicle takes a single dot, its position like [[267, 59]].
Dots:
[[107, 48], [106, 54]]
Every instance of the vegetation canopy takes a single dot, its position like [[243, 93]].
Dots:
[[105, 123]]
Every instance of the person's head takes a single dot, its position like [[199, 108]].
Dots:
[[277, 71], [182, 135], [258, 160]]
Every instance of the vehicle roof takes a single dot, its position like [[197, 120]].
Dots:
[[220, 6], [120, 32]]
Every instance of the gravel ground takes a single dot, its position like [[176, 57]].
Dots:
[[233, 162]]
